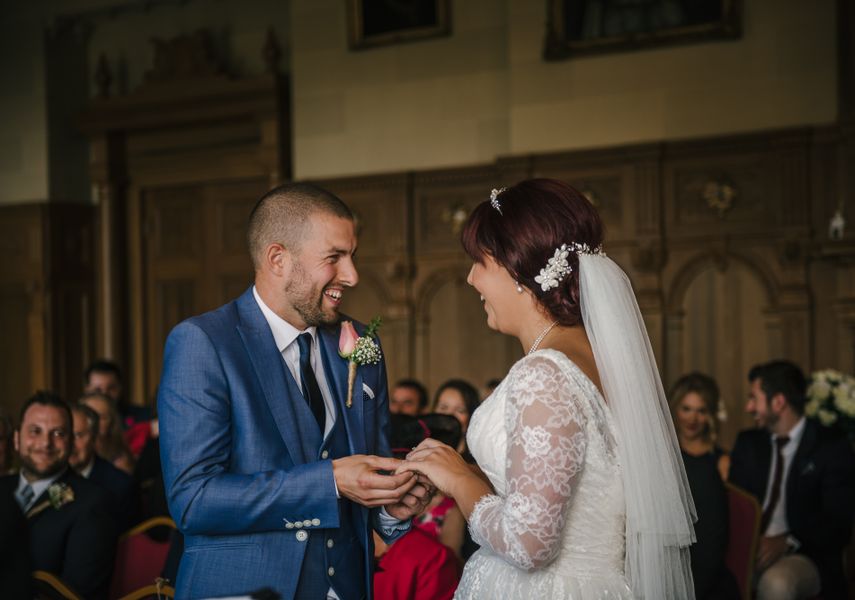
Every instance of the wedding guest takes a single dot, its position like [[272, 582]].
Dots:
[[803, 475], [110, 443], [15, 570], [695, 406], [694, 402], [86, 462], [71, 533], [409, 397], [460, 399], [136, 422]]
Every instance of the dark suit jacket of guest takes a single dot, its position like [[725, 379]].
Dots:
[[76, 541], [121, 487], [14, 556], [820, 493]]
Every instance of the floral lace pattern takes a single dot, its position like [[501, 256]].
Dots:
[[554, 528], [546, 452]]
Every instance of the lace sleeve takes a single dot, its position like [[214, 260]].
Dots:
[[546, 452]]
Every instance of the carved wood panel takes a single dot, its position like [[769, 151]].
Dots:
[[195, 257]]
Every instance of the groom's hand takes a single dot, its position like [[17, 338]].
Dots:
[[358, 478]]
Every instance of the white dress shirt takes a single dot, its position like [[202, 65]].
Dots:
[[778, 522], [285, 335]]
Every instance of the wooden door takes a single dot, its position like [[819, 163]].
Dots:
[[194, 257]]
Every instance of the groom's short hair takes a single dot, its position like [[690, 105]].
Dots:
[[280, 215]]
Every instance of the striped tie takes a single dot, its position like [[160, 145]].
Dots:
[[25, 497]]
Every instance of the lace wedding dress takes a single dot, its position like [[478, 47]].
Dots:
[[556, 526]]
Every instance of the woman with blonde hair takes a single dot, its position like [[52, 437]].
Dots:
[[696, 410]]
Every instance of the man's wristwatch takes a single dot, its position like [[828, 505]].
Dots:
[[793, 544]]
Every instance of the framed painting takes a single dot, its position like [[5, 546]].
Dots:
[[580, 27], [374, 23]]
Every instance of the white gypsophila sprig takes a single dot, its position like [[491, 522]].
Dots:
[[367, 352]]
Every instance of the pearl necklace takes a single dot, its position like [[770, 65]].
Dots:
[[541, 336]]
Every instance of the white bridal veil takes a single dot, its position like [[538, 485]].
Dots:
[[659, 506]]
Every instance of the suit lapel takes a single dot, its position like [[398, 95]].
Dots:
[[335, 368], [279, 386]]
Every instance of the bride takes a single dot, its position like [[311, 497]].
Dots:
[[587, 496]]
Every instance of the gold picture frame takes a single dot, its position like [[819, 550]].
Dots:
[[373, 23], [584, 27]]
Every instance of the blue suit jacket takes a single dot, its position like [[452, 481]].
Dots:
[[238, 463]]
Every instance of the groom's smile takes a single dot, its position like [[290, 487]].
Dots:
[[321, 269]]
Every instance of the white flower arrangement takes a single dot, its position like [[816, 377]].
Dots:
[[831, 400]]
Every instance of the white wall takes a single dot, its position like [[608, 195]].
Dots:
[[437, 102], [781, 73], [486, 91]]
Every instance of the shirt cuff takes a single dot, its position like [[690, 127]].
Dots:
[[387, 525]]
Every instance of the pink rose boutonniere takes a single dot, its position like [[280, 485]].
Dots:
[[358, 350]]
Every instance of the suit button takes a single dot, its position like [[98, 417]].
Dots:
[[330, 543], [298, 524], [324, 454], [316, 522], [289, 526], [302, 536], [330, 571]]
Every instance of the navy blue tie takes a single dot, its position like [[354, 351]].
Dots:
[[311, 391]]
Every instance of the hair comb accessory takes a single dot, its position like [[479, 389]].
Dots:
[[557, 267], [494, 199]]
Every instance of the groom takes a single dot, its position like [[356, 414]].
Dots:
[[272, 478]]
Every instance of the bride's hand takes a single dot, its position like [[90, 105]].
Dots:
[[439, 463]]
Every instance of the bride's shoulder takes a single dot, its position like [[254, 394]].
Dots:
[[543, 364], [549, 364]]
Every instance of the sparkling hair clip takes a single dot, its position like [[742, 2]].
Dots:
[[494, 199], [557, 267]]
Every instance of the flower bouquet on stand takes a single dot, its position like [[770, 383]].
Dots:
[[831, 400]]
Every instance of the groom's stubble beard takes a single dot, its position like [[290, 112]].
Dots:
[[307, 299]]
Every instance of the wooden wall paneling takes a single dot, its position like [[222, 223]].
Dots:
[[451, 337], [384, 261], [71, 279], [23, 306], [45, 293]]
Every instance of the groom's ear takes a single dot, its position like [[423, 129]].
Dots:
[[278, 260]]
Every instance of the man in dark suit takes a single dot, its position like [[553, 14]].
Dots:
[[71, 534], [274, 459], [803, 476], [89, 465]]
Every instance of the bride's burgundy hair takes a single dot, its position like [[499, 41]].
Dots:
[[538, 215]]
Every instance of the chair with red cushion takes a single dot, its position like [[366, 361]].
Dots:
[[745, 514], [139, 558]]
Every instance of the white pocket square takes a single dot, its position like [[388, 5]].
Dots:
[[368, 391]]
